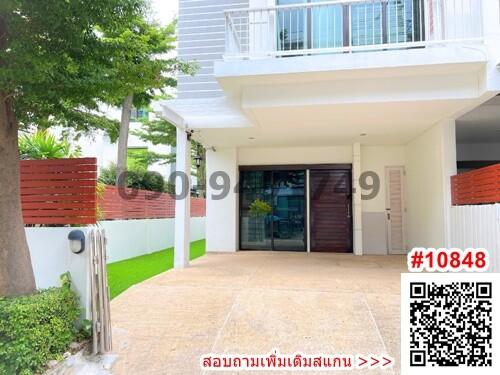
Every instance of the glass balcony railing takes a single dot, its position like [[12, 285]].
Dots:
[[307, 27]]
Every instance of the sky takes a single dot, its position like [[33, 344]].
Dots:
[[164, 11]]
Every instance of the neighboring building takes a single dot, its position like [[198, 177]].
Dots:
[[338, 124], [99, 144]]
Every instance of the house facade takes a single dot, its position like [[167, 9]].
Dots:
[[334, 126]]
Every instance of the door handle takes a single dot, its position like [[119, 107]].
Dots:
[[388, 212]]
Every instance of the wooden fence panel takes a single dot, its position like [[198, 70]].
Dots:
[[198, 207], [142, 204], [59, 191], [480, 186]]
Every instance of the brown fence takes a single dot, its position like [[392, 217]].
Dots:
[[59, 191], [63, 191], [142, 204], [480, 186]]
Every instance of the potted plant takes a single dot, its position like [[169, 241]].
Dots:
[[259, 209]]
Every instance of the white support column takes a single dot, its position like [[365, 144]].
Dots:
[[222, 209], [356, 200], [308, 209], [449, 168], [182, 204]]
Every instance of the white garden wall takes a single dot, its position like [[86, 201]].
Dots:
[[131, 238], [477, 227], [51, 257]]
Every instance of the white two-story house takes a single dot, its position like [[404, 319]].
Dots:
[[335, 126]]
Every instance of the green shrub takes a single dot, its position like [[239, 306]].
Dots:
[[136, 178], [36, 328]]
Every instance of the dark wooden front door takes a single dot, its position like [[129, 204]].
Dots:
[[331, 210]]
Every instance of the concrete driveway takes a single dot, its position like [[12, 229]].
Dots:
[[253, 302]]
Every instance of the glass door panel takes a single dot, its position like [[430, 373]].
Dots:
[[272, 210], [399, 21], [289, 210], [256, 210], [392, 21], [366, 24], [292, 31], [326, 26]]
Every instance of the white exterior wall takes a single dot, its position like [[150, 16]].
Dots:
[[430, 162], [295, 155], [357, 203], [132, 238], [51, 257], [376, 159], [222, 214]]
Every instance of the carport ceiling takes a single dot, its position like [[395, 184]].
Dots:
[[383, 123], [481, 125]]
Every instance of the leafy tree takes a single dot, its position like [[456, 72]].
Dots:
[[145, 68], [55, 68], [161, 132], [43, 145]]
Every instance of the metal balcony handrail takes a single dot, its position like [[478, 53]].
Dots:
[[340, 26]]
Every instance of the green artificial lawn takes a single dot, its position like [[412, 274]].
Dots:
[[122, 275]]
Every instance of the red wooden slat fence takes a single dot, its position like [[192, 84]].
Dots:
[[59, 191], [64, 191], [198, 207], [142, 204], [480, 186]]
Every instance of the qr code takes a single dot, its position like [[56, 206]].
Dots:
[[451, 324], [449, 321]]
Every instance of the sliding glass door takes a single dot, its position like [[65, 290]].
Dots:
[[272, 210], [325, 25]]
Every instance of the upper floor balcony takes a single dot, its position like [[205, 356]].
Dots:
[[314, 27], [419, 49]]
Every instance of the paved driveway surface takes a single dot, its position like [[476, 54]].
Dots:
[[253, 302]]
